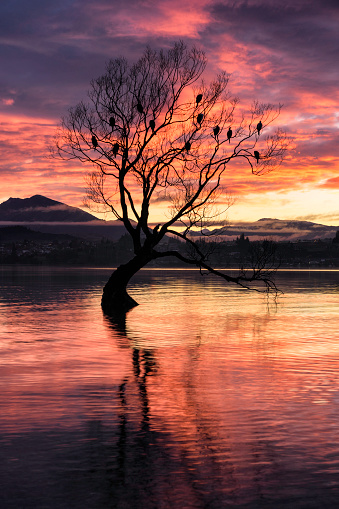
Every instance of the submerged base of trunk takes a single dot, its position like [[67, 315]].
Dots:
[[115, 299], [117, 303]]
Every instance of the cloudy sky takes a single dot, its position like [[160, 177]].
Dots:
[[279, 51]]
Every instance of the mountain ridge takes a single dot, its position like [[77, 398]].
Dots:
[[50, 216], [276, 229], [39, 208]]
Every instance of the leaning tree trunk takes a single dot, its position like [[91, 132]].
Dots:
[[115, 299]]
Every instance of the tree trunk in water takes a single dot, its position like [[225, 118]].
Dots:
[[115, 299]]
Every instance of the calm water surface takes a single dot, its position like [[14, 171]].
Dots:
[[206, 397]]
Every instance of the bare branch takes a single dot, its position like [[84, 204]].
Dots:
[[154, 126]]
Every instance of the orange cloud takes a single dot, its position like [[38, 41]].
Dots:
[[274, 53], [332, 183]]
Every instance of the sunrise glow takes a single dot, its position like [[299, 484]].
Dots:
[[276, 52]]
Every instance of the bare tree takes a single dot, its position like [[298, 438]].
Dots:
[[153, 133]]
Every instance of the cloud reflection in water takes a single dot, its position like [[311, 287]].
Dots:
[[202, 397]]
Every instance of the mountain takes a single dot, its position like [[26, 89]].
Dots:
[[276, 229], [38, 208], [53, 217]]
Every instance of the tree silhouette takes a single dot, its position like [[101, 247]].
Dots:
[[153, 134]]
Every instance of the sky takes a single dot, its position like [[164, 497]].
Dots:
[[277, 51]]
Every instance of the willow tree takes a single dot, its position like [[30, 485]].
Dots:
[[155, 131]]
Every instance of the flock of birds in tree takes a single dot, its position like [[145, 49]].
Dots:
[[200, 117]]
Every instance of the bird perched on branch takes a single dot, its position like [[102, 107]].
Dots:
[[112, 122], [216, 130], [187, 146], [199, 118], [229, 135], [115, 149], [152, 125], [94, 141], [259, 127], [257, 155], [198, 99], [140, 108]]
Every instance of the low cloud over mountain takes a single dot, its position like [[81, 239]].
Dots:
[[276, 229], [41, 209], [49, 216]]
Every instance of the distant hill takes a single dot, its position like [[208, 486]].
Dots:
[[276, 229], [38, 208], [20, 233]]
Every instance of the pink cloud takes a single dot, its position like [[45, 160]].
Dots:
[[276, 51]]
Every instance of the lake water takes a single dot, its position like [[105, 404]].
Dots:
[[206, 397]]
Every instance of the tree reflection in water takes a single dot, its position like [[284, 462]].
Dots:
[[153, 467], [184, 441]]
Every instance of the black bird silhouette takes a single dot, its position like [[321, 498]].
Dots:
[[187, 146], [198, 99], [140, 108], [216, 130], [115, 149], [256, 155], [229, 135], [152, 124], [259, 127], [199, 118], [94, 141], [112, 122]]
